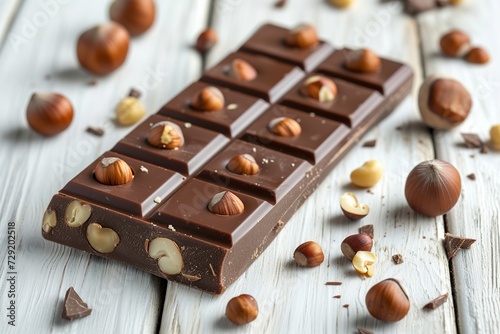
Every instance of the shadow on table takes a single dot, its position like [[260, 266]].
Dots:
[[75, 74], [20, 134]]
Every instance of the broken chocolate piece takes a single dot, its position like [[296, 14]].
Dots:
[[472, 176], [397, 258], [472, 140], [333, 283], [95, 131], [337, 296], [368, 229], [435, 303], [370, 143], [74, 307], [453, 243], [345, 306]]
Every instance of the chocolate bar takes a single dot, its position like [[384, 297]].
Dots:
[[196, 192]]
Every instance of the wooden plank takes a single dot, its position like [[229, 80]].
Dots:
[[295, 300], [8, 10], [477, 213], [124, 300]]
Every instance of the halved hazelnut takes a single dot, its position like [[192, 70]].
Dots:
[[243, 164], [49, 220], [113, 171], [285, 127], [226, 203], [166, 135], [355, 243], [351, 208], [241, 70], [168, 254], [364, 61], [208, 99], [102, 239], [320, 88], [304, 36], [363, 263], [77, 213]]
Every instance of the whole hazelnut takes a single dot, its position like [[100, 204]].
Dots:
[[444, 103], [49, 114], [355, 243], [320, 88], [285, 127], [388, 301], [309, 254], [137, 16], [113, 171], [455, 43], [477, 55], [226, 203], [304, 36], [242, 70], [104, 48], [242, 310], [208, 99], [243, 164], [363, 61], [206, 40], [165, 135]]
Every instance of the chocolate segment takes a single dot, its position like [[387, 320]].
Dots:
[[74, 307]]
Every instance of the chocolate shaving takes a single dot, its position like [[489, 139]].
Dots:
[[95, 131], [453, 243], [191, 278], [368, 229], [345, 305], [74, 307], [364, 331], [472, 140], [134, 93], [333, 283], [212, 269], [435, 303], [337, 296], [397, 258], [370, 143], [472, 176], [280, 3]]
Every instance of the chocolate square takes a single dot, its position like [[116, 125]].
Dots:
[[199, 145], [273, 79], [187, 211], [136, 197], [318, 137], [388, 80], [269, 41], [239, 110], [351, 106], [278, 173]]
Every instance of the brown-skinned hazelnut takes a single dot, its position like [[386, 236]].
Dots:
[[242, 70], [363, 61], [243, 164], [355, 243], [309, 254], [113, 171], [320, 88], [304, 36], [242, 309], [455, 43], [49, 114], [206, 40], [208, 99], [285, 127], [226, 203], [477, 55], [137, 16], [388, 301]]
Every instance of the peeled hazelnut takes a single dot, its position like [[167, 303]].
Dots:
[[477, 56], [103, 240], [137, 16], [444, 103], [388, 300], [304, 36], [243, 164], [495, 136], [367, 175], [208, 99], [433, 187], [168, 254], [363, 262], [166, 135], [309, 254], [456, 43], [320, 88], [130, 110], [355, 243], [341, 3], [77, 213], [226, 204], [364, 61], [206, 40], [241, 70], [242, 309], [49, 114], [113, 171], [49, 220], [102, 49], [351, 207], [285, 127]]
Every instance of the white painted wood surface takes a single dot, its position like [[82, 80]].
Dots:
[[8, 10], [291, 299]]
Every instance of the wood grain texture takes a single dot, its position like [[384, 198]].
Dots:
[[8, 10], [476, 215], [160, 63]]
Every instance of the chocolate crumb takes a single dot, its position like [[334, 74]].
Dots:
[[435, 303], [74, 307], [424, 237], [484, 149], [472, 156], [370, 191], [370, 143], [212, 269], [345, 305], [191, 278], [99, 132], [472, 176], [134, 93], [364, 331], [453, 243], [472, 140], [333, 283], [337, 296], [368, 229], [280, 3], [92, 82], [397, 258], [398, 128]]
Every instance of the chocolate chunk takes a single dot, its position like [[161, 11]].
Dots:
[[337, 296], [74, 307], [368, 229], [345, 306], [280, 3], [370, 143], [453, 243], [435, 303], [472, 140], [134, 93], [99, 132], [364, 331], [397, 258], [472, 176]]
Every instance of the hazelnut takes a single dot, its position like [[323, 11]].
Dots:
[[77, 213], [456, 43], [242, 309], [309, 254], [168, 254], [364, 61], [103, 240], [341, 3], [137, 16], [363, 263], [243, 164], [355, 243], [319, 88], [206, 40], [388, 300], [208, 99], [241, 70], [495, 136], [49, 220], [351, 207], [444, 103], [433, 187], [477, 55], [226, 203], [113, 171], [285, 127], [367, 175], [104, 48], [165, 135], [304, 36], [49, 114], [129, 111]]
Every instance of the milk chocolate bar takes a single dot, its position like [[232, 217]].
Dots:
[[196, 192]]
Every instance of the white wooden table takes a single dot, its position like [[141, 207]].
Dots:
[[291, 299]]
